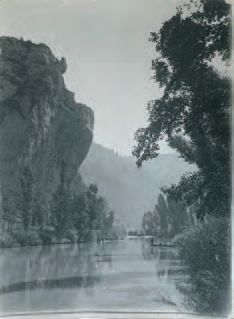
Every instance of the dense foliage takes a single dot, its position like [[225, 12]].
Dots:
[[194, 112], [204, 250], [72, 216], [168, 219], [193, 115]]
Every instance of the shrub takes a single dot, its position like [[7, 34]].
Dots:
[[46, 237], [205, 250], [6, 241], [70, 236], [29, 238]]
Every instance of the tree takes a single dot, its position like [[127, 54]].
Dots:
[[149, 224], [92, 204], [60, 213], [194, 112], [168, 219], [80, 215], [39, 212], [10, 201], [89, 212], [178, 217], [26, 181], [162, 211]]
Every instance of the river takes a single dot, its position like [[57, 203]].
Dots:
[[127, 275]]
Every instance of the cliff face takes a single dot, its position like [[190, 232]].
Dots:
[[41, 125]]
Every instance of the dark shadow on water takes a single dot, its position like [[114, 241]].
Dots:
[[53, 267], [62, 283]]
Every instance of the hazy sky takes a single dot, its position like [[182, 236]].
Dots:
[[105, 43]]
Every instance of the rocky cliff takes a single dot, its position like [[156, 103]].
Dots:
[[41, 125]]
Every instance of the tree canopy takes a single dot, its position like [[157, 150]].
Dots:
[[193, 114]]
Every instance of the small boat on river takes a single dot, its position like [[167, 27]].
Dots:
[[160, 244]]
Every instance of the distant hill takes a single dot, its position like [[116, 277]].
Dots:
[[130, 191]]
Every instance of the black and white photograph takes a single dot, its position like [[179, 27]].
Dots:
[[115, 159]]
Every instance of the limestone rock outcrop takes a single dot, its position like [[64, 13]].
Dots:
[[41, 124]]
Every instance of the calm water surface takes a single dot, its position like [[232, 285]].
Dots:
[[121, 275]]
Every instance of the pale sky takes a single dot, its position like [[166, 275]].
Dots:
[[105, 43]]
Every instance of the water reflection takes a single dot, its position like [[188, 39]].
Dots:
[[121, 275], [52, 262], [170, 271]]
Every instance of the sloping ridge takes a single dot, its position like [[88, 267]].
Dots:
[[131, 191]]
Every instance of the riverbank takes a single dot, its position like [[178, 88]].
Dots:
[[33, 239], [36, 239]]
